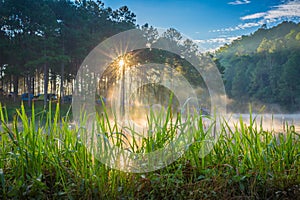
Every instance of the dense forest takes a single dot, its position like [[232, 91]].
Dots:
[[264, 67], [43, 44], [42, 41]]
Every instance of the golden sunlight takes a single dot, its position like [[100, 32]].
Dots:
[[121, 63]]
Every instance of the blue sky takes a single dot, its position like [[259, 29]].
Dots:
[[211, 23]]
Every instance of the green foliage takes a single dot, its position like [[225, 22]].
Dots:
[[50, 161], [54, 35], [298, 36], [263, 66]]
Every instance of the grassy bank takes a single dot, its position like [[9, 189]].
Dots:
[[51, 162], [10, 105]]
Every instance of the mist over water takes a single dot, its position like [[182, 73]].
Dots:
[[269, 122], [271, 117]]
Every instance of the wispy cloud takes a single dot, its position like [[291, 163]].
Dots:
[[216, 40], [289, 10], [254, 16], [239, 2], [286, 11], [239, 27], [214, 43]]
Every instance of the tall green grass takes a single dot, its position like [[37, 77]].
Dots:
[[44, 157]]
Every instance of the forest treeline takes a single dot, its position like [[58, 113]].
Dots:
[[264, 67], [51, 38]]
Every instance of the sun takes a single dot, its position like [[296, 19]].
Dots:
[[121, 63]]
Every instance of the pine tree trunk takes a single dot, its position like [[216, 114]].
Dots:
[[46, 81], [32, 85], [16, 86], [28, 83], [62, 83], [54, 84], [38, 82]]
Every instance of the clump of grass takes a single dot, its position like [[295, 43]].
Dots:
[[45, 158]]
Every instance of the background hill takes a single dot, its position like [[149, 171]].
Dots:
[[264, 67]]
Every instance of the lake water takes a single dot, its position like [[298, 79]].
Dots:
[[276, 122]]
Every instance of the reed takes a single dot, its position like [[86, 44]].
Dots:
[[42, 156]]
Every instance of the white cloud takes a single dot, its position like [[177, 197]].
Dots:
[[216, 40], [239, 27], [214, 43], [254, 16], [239, 2], [249, 25], [286, 11]]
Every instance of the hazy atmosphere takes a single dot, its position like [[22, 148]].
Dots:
[[160, 99]]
